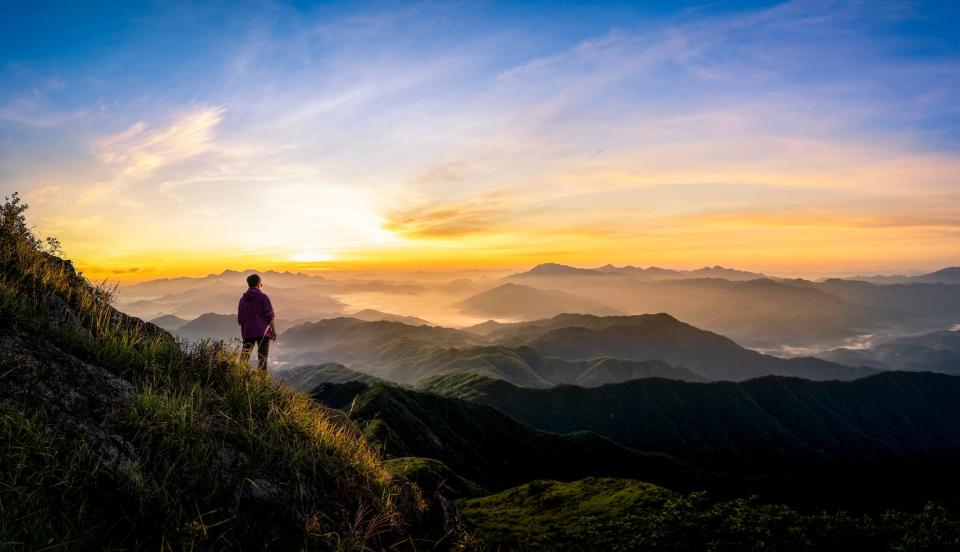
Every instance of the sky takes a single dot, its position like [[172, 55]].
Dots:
[[162, 139]]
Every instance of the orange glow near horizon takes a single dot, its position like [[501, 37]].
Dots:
[[780, 246]]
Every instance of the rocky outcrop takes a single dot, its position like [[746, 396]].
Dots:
[[74, 396]]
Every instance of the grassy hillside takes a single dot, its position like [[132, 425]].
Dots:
[[433, 475], [625, 515], [116, 437], [766, 425]]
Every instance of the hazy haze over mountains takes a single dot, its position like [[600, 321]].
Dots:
[[785, 317], [573, 349]]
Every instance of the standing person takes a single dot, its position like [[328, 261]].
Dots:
[[255, 316]]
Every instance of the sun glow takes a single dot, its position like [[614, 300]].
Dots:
[[312, 257]]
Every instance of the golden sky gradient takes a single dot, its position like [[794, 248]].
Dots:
[[674, 138]]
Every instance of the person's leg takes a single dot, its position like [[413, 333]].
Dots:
[[263, 351], [245, 351]]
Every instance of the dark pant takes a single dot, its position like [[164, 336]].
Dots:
[[263, 351]]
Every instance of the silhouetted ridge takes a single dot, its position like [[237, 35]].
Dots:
[[485, 445], [555, 269], [773, 424]]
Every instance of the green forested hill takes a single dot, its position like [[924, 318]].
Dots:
[[766, 425], [519, 365], [486, 446]]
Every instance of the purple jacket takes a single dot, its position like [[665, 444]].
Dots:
[[255, 314]]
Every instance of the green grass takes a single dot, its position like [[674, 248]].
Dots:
[[43, 486], [200, 426], [550, 514], [626, 515], [429, 473]]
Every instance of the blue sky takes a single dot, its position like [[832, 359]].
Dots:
[[486, 133]]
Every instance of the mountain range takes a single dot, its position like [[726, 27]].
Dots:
[[820, 444], [515, 301], [758, 311], [935, 352], [651, 273], [950, 275], [769, 425], [783, 316], [567, 349], [483, 445]]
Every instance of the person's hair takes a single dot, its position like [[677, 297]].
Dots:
[[253, 280]]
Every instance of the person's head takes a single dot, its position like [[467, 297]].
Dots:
[[253, 281]]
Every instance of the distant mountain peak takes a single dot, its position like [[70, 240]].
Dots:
[[949, 275], [517, 301], [556, 269]]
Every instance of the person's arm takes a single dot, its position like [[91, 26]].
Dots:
[[269, 315]]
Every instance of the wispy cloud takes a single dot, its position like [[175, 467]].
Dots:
[[449, 219], [140, 150]]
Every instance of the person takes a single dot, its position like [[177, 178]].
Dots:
[[256, 318]]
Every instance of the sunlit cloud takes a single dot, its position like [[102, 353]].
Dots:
[[140, 151], [46, 193], [449, 219]]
